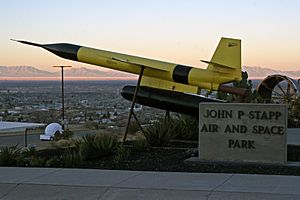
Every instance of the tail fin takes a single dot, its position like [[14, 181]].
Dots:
[[227, 59]]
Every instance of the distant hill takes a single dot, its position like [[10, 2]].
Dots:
[[28, 71], [23, 71], [85, 72], [260, 72]]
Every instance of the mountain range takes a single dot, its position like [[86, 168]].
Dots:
[[261, 72], [29, 71]]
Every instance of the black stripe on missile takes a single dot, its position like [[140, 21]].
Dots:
[[64, 50], [181, 74]]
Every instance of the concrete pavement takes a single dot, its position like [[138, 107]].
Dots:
[[53, 183]]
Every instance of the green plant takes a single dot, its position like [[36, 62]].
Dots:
[[133, 128], [160, 133], [67, 134], [71, 158], [140, 143], [35, 161], [63, 143], [57, 136], [30, 151], [106, 144], [187, 127], [9, 155], [53, 162], [122, 153], [85, 146], [97, 146]]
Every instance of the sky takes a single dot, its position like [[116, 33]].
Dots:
[[178, 31]]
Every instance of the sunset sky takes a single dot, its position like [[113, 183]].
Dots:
[[180, 31]]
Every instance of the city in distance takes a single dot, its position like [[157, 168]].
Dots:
[[40, 101]]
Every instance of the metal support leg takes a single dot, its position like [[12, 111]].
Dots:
[[25, 138], [167, 116], [137, 121], [133, 102]]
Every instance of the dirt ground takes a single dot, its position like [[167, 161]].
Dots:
[[173, 159]]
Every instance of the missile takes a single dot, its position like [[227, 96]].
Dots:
[[224, 67], [164, 85]]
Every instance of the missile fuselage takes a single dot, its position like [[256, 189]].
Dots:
[[202, 78]]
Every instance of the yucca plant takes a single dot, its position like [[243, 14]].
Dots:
[[122, 153], [160, 133], [106, 144], [35, 161], [140, 143], [96, 146], [85, 146], [31, 151], [71, 158], [187, 127], [9, 155], [53, 161]]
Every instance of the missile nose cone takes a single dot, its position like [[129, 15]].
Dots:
[[64, 50]]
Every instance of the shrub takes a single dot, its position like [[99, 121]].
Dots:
[[97, 146], [122, 153], [133, 128], [187, 127], [67, 134], [9, 155], [63, 143], [30, 151], [140, 143], [35, 161], [57, 136], [53, 162], [160, 133], [85, 146], [71, 158]]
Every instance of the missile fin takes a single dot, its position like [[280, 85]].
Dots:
[[217, 64], [138, 64]]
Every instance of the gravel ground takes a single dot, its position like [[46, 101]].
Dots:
[[173, 159]]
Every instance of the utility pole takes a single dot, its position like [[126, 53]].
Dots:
[[62, 94]]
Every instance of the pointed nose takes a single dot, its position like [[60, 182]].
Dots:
[[64, 50], [26, 42]]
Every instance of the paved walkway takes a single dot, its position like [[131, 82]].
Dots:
[[53, 183]]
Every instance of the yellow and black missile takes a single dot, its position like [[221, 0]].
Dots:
[[224, 67]]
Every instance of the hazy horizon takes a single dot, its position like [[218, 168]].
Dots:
[[82, 73]]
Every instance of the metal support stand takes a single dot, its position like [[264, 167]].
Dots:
[[25, 138], [133, 102], [137, 121], [167, 116], [62, 95]]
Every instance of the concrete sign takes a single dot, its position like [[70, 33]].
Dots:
[[243, 132]]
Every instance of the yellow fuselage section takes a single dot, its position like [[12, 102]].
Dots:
[[201, 78]]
